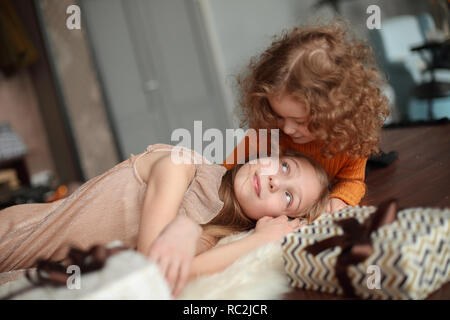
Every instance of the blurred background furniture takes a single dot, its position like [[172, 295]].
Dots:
[[440, 59], [16, 186], [12, 153], [407, 69]]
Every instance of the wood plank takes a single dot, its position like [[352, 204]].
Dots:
[[421, 175]]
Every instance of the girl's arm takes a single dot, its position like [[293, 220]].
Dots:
[[166, 185], [267, 229], [219, 258], [166, 237]]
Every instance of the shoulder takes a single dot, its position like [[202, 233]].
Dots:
[[354, 161], [164, 167], [346, 164], [159, 165]]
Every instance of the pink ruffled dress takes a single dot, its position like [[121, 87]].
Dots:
[[104, 209]]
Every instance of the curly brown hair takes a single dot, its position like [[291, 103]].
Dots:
[[330, 71]]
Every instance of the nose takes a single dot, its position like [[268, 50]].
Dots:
[[274, 183], [288, 127]]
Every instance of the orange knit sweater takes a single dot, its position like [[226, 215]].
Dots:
[[346, 173]]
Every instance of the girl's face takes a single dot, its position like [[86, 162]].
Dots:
[[294, 187], [293, 118]]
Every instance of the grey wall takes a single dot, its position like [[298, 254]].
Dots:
[[246, 27], [355, 10]]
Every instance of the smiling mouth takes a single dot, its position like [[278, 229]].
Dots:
[[257, 184]]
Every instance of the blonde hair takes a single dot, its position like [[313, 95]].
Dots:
[[332, 73], [317, 208], [232, 219]]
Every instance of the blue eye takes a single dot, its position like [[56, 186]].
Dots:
[[284, 167], [288, 198]]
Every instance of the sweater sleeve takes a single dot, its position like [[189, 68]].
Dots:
[[349, 182]]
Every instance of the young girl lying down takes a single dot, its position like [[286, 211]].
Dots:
[[168, 211]]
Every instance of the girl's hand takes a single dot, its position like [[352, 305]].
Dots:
[[174, 250], [273, 229], [336, 204]]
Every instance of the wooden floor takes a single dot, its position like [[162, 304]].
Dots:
[[419, 178], [421, 175]]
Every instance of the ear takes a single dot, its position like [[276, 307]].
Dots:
[[327, 207]]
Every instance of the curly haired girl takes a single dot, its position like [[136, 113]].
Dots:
[[321, 87]]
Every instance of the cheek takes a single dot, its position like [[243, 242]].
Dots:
[[280, 123], [304, 130], [272, 206], [240, 190]]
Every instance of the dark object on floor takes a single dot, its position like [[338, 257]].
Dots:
[[420, 123], [381, 160], [13, 152], [54, 274], [26, 195]]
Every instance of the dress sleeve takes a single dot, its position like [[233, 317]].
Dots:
[[349, 182], [201, 201]]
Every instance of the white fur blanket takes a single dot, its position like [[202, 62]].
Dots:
[[258, 275]]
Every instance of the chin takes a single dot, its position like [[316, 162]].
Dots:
[[302, 140], [252, 216]]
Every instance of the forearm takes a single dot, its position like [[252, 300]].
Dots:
[[166, 186], [150, 227], [218, 258]]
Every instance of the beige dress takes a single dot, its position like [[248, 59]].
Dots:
[[104, 209]]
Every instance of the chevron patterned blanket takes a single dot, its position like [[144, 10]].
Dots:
[[371, 253]]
